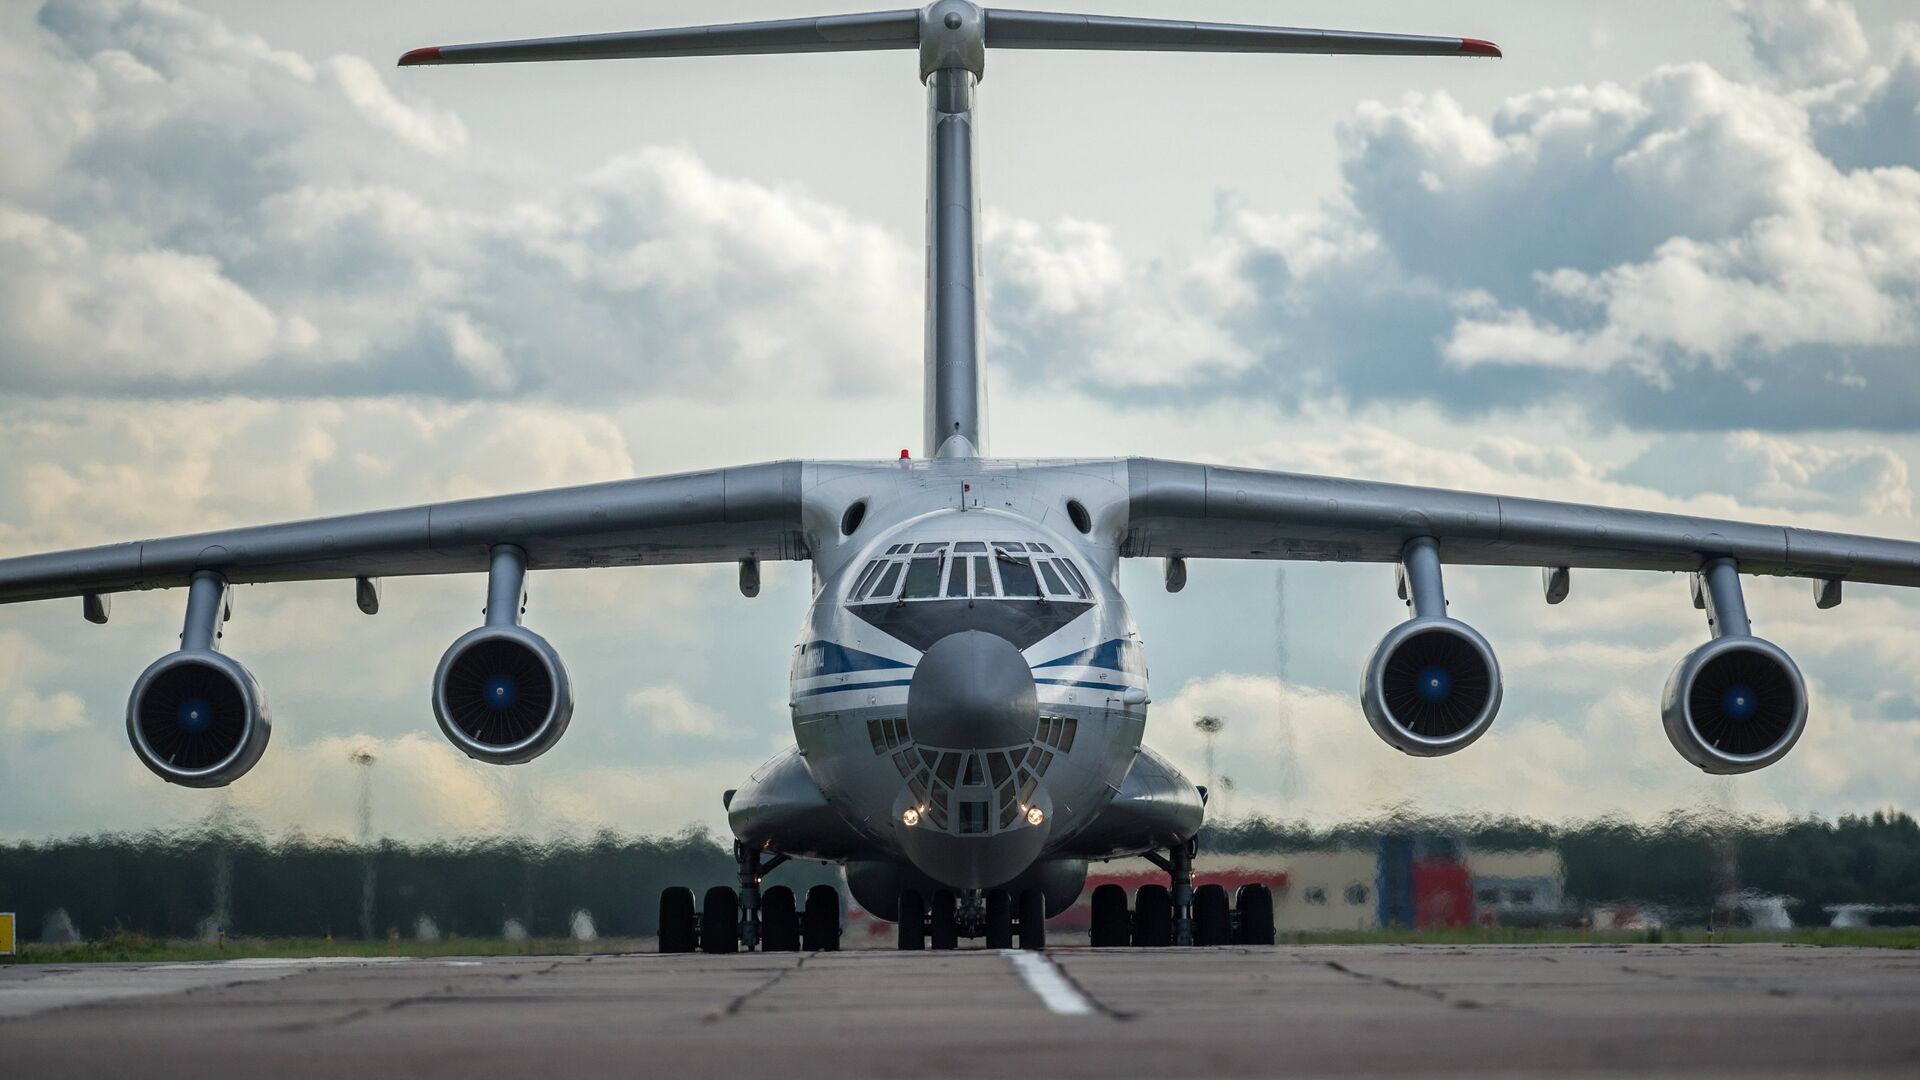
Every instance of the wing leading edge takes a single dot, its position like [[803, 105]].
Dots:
[[1185, 510], [721, 516]]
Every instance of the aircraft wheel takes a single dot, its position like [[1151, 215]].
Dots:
[[1153, 916], [676, 920], [720, 921], [1033, 919], [1109, 916], [1255, 905], [911, 921], [779, 921], [1212, 916], [945, 928], [820, 926], [999, 919]]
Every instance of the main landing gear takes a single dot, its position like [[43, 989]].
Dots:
[[1179, 914], [735, 920], [994, 914]]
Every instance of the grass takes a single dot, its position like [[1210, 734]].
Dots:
[[139, 948], [1883, 939], [126, 947]]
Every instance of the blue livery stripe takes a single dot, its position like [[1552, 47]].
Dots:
[[1120, 654], [848, 689], [1085, 685], [820, 657]]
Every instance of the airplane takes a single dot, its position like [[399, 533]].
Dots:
[[969, 689]]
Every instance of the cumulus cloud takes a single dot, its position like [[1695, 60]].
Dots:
[[192, 210], [670, 710], [1686, 250]]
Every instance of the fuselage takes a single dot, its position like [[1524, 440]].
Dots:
[[969, 689]]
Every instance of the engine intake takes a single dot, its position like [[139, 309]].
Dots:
[[502, 695], [1431, 687], [198, 719], [1734, 705]]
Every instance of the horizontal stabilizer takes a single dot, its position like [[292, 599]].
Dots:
[[903, 30], [1049, 30], [833, 33]]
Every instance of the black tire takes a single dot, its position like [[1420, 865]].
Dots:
[[676, 920], [1109, 928], [820, 925], [912, 919], [944, 926], [1033, 920], [1212, 916], [999, 919], [779, 921], [1255, 905], [1153, 917], [720, 920]]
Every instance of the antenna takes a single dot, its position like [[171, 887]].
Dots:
[[952, 37]]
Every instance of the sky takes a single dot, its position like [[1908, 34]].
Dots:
[[250, 271]]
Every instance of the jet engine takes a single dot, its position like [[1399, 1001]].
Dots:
[[501, 693], [1432, 685], [196, 717], [1738, 702]]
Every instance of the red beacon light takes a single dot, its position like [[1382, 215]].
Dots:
[[904, 456]]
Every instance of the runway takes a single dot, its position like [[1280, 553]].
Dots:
[[1328, 1010]]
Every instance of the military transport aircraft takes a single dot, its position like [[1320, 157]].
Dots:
[[969, 692]]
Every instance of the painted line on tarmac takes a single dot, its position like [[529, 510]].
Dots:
[[1049, 983]]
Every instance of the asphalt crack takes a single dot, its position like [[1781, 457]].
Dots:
[[738, 1003], [1414, 988]]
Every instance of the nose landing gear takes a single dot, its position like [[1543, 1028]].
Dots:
[[993, 914]]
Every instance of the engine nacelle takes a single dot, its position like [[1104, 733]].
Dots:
[[502, 695], [1734, 705], [198, 719], [1431, 687]]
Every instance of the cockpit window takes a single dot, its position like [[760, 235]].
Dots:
[[1016, 576], [982, 576], [1054, 584], [887, 582], [923, 579], [1079, 583], [957, 581], [958, 570], [866, 578]]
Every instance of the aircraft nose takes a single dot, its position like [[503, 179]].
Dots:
[[972, 690]]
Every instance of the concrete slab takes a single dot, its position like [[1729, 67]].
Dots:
[[1334, 1010]]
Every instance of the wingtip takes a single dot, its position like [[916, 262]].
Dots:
[[428, 55], [1476, 47]]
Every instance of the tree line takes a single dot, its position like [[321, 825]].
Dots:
[[231, 878]]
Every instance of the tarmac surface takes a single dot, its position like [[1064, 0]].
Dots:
[[1740, 1010]]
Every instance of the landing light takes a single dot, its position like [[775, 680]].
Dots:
[[910, 816], [1035, 815]]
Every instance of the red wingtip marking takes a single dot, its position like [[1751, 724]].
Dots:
[[1476, 47], [429, 55]]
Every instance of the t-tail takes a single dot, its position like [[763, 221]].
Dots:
[[952, 37]]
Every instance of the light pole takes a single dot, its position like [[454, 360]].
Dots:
[[364, 758]]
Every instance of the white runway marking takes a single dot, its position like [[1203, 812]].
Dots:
[[1048, 984]]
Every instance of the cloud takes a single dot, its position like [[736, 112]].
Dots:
[[1679, 252], [193, 211], [1806, 41], [670, 710]]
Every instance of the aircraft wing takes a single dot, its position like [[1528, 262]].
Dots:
[[1185, 510], [721, 516]]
